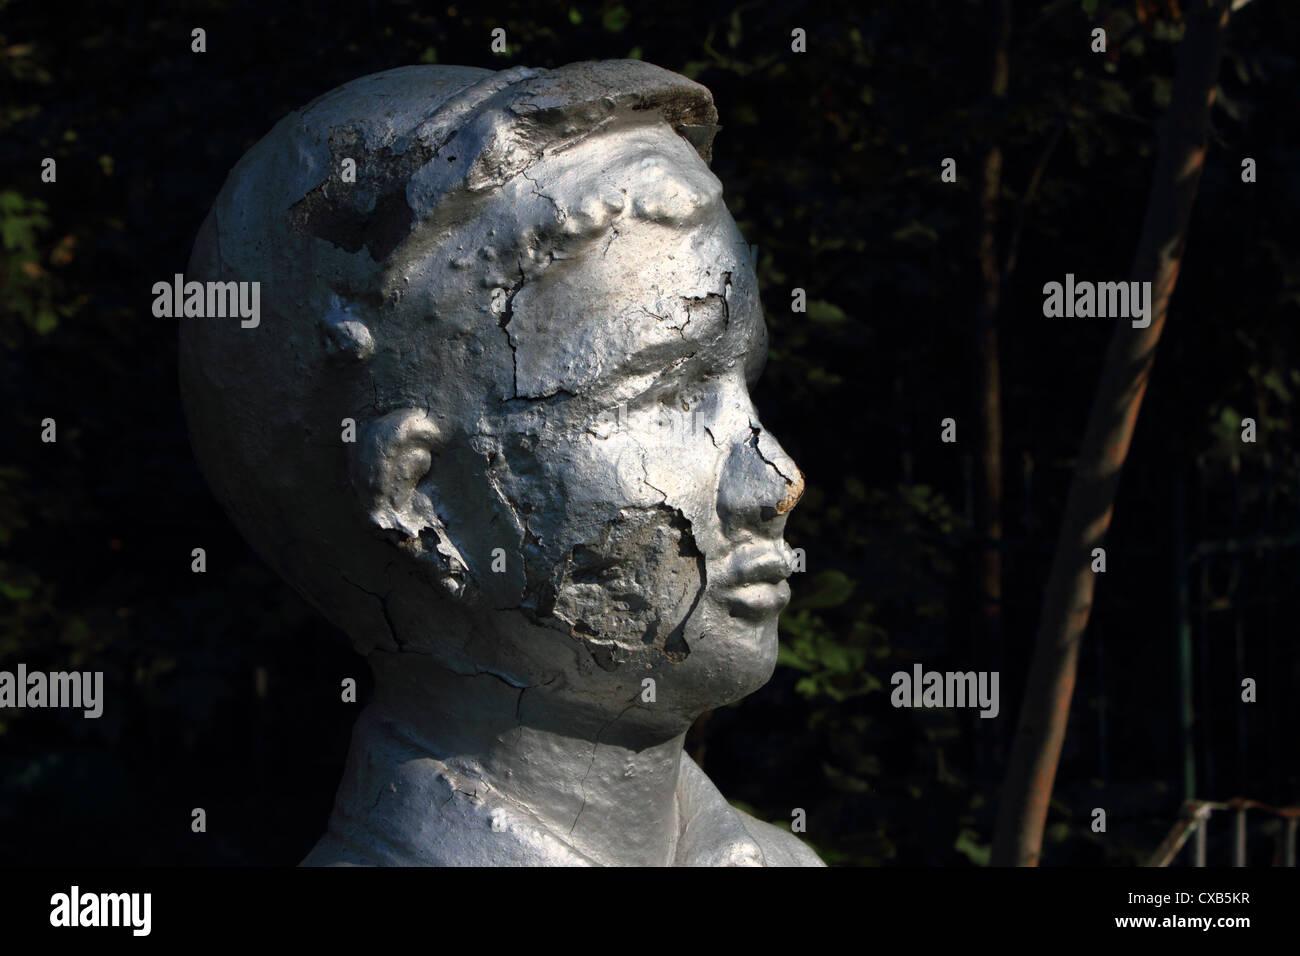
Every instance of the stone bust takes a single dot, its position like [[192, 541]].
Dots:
[[494, 423]]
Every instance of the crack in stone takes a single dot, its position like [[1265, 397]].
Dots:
[[753, 443], [679, 329], [645, 478], [503, 321], [545, 396], [519, 704], [382, 599], [663, 493], [560, 215], [594, 746]]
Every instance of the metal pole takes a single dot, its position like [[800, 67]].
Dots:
[[1273, 651], [1239, 838], [1202, 825], [1103, 755], [1239, 631], [1185, 710], [1203, 645]]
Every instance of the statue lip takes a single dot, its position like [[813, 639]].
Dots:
[[757, 601], [755, 585], [760, 562]]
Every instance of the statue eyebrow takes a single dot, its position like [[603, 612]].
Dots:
[[686, 346], [668, 359], [696, 362]]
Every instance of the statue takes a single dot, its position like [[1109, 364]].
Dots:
[[494, 423]]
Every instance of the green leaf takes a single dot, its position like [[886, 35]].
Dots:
[[615, 19], [825, 312], [786, 657], [733, 30], [915, 233], [830, 588], [968, 844], [15, 592]]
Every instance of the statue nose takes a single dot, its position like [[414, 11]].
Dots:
[[760, 485]]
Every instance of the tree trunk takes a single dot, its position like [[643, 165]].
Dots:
[[1068, 599], [988, 510]]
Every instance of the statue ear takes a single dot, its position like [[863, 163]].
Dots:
[[390, 459]]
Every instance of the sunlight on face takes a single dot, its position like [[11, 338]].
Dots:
[[650, 499]]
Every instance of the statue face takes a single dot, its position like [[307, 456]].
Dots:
[[612, 463]]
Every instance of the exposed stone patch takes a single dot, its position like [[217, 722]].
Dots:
[[633, 589], [372, 212]]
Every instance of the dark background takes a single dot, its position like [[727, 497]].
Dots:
[[830, 161]]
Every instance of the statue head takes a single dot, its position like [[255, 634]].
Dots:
[[495, 415]]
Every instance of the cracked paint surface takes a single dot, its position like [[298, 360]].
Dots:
[[543, 321]]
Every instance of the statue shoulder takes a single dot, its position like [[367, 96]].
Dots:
[[714, 833], [780, 847]]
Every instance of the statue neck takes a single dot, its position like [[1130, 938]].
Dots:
[[455, 769]]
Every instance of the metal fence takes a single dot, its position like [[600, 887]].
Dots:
[[1195, 821], [1233, 531]]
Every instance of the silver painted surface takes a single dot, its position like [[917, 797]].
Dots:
[[543, 320]]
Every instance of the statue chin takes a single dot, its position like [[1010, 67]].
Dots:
[[488, 411]]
